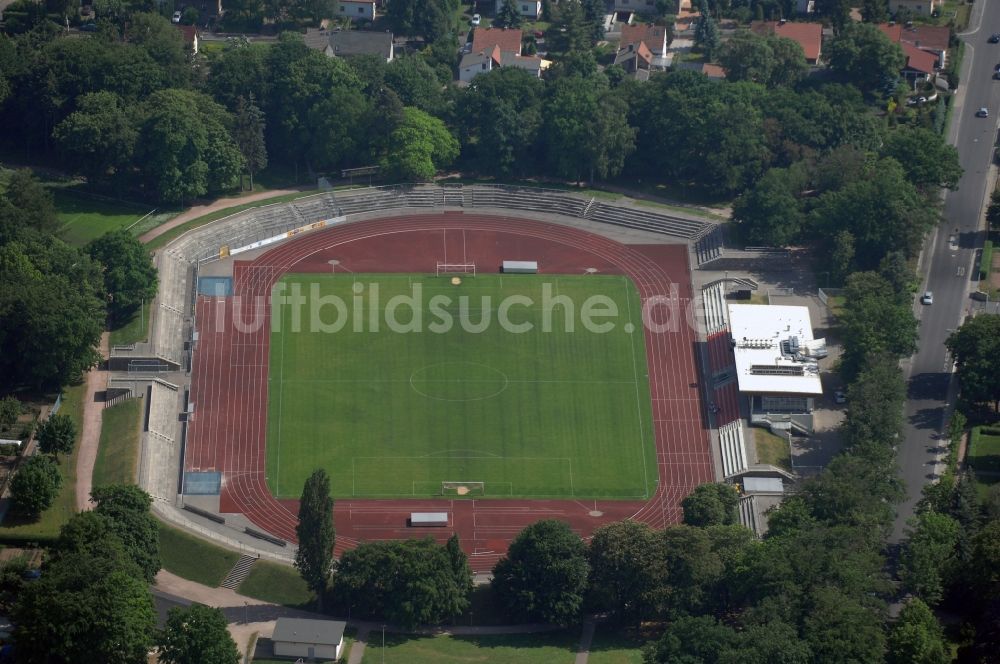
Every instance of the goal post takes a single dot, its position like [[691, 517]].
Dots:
[[463, 488], [456, 268]]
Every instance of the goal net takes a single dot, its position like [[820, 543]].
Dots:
[[463, 488], [456, 268]]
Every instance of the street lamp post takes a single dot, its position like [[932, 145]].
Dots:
[[383, 644]]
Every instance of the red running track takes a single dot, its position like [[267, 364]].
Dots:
[[229, 385]]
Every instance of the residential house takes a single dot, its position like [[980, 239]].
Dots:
[[922, 7], [346, 43], [473, 64], [484, 39], [653, 36], [808, 35], [636, 59], [356, 9], [532, 64], [313, 639], [925, 48], [528, 8], [189, 34]]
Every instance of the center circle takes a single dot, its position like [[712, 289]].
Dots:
[[458, 381]]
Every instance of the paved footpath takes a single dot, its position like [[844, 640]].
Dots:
[[90, 432], [216, 205]]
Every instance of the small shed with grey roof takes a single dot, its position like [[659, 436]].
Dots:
[[300, 637]]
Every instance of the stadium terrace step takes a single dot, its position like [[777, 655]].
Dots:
[[734, 452], [239, 572]]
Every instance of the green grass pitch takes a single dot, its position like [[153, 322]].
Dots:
[[560, 413]]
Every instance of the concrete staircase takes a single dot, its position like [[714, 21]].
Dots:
[[239, 572]]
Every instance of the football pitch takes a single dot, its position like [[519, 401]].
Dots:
[[498, 386]]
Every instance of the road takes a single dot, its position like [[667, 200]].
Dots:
[[948, 263]]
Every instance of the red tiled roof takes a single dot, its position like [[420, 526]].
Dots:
[[808, 35], [651, 34], [893, 32], [713, 71], [484, 39], [919, 60], [931, 37]]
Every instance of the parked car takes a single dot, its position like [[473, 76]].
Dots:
[[916, 101], [927, 298], [476, 19], [839, 397], [176, 18], [995, 38], [88, 27], [983, 112]]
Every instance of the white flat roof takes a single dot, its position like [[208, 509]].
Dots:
[[763, 485], [764, 341], [428, 517]]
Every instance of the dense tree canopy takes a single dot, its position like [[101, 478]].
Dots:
[[57, 435], [403, 582], [864, 56], [126, 507], [976, 349], [711, 505], [129, 274], [543, 577]]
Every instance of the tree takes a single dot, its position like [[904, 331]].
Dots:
[[875, 401], [838, 11], [314, 557], [543, 577], [917, 638], [770, 213], [928, 563], [419, 147], [706, 33], [196, 635], [993, 211], [126, 507], [35, 485], [129, 274], [402, 582], [976, 349], [691, 640], [840, 630], [429, 18], [51, 309], [769, 60], [711, 504], [929, 162], [99, 137], [34, 202], [695, 572], [10, 410], [57, 435], [862, 55], [508, 16], [569, 32], [459, 566], [92, 607], [625, 569], [773, 642], [248, 132], [874, 11], [186, 147], [882, 210]]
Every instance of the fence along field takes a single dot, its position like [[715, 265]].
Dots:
[[564, 413]]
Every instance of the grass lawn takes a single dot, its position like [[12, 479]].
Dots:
[[193, 558], [547, 648], [553, 411], [275, 583], [984, 449], [678, 208], [118, 455], [610, 646], [85, 219], [134, 330], [47, 527], [771, 449]]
